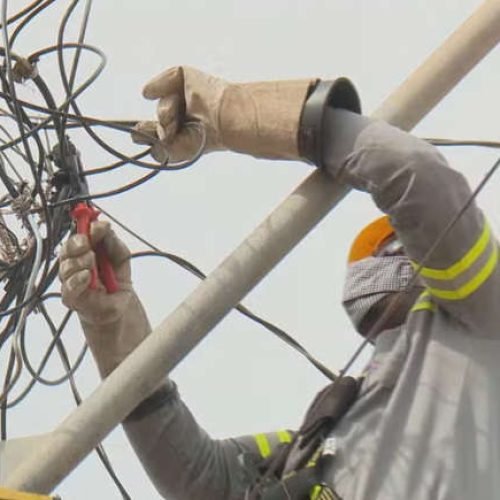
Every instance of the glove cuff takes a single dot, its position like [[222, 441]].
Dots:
[[337, 94], [111, 343], [262, 118]]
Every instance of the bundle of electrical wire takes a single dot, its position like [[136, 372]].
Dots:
[[36, 122], [37, 197]]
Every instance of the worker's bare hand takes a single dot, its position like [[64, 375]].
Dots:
[[95, 306], [184, 95]]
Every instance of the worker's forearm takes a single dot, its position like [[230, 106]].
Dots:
[[408, 179], [181, 459], [111, 342]]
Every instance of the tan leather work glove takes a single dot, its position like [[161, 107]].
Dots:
[[261, 118], [113, 324]]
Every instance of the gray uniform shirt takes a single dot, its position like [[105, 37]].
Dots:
[[426, 423]]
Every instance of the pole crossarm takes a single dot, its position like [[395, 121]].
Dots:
[[177, 335]]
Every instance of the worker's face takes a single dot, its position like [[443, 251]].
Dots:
[[371, 284]]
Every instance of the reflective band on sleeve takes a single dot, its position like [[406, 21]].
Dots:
[[472, 285], [424, 303], [464, 263], [284, 436], [263, 445], [424, 306]]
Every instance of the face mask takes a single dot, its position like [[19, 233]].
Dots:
[[370, 280]]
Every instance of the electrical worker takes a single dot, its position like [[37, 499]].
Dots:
[[424, 421]]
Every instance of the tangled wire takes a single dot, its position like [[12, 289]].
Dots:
[[43, 176], [42, 183]]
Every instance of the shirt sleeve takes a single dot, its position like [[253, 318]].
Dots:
[[411, 181], [183, 461]]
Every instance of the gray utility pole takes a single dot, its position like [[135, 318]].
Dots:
[[169, 343]]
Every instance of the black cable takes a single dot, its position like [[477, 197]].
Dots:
[[55, 343], [188, 266], [25, 22], [118, 164], [6, 383], [87, 122], [464, 142], [86, 83], [107, 194], [44, 283], [101, 452], [76, 59], [23, 12], [26, 131], [22, 118]]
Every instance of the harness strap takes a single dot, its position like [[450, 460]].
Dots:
[[305, 484], [294, 471]]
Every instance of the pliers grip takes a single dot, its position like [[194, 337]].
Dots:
[[83, 214]]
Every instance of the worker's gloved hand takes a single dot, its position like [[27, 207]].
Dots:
[[113, 323], [261, 118]]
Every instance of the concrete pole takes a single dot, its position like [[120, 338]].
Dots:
[[76, 437]]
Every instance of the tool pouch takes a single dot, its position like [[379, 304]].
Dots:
[[327, 408]]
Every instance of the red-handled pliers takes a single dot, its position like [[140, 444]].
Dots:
[[83, 213]]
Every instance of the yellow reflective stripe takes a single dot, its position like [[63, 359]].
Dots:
[[316, 491], [284, 436], [464, 263], [322, 492], [263, 445], [472, 285], [424, 306]]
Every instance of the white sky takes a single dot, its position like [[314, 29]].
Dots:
[[241, 379]]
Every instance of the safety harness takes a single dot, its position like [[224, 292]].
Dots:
[[295, 470]]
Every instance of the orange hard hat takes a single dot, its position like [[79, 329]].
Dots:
[[369, 240]]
